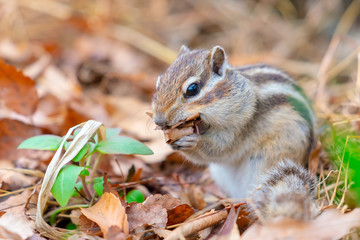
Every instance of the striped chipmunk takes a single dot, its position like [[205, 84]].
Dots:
[[252, 125]]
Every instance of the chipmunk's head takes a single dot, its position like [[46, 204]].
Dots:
[[196, 82]]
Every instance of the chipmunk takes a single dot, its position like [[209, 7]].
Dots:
[[256, 128]]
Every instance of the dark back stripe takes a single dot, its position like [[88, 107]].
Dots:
[[266, 105], [249, 67], [263, 78], [263, 107]]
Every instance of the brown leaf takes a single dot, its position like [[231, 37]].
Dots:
[[108, 212], [144, 215], [50, 112], [107, 186], [15, 204], [152, 212], [136, 176], [331, 224], [18, 91], [15, 226], [12, 133], [171, 135], [229, 223], [195, 196], [182, 128], [115, 233], [89, 227], [12, 179], [179, 214], [72, 118]]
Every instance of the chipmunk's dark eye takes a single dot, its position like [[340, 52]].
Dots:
[[192, 90]]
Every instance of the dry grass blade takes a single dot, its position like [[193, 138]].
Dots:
[[34, 173], [88, 129], [143, 43]]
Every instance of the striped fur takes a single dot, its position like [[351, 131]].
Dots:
[[258, 118]]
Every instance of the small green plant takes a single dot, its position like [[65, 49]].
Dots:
[[343, 147], [88, 157]]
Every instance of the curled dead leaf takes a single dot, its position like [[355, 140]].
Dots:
[[181, 129], [107, 212], [171, 135]]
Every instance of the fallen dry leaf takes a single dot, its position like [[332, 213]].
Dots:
[[107, 212], [15, 204], [331, 224], [14, 84], [15, 226], [13, 179], [107, 186], [229, 223], [196, 197], [89, 227], [116, 233], [179, 214], [152, 212], [12, 133], [55, 82]]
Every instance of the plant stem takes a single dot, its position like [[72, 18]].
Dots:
[[53, 213], [83, 181], [96, 164], [86, 190]]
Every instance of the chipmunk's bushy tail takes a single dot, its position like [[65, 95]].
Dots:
[[288, 190]]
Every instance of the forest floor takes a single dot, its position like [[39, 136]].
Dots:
[[66, 62]]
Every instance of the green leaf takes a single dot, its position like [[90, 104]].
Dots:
[[41, 142], [65, 183], [70, 226], [122, 145], [81, 153], [135, 196], [98, 185], [85, 172], [111, 132], [92, 147]]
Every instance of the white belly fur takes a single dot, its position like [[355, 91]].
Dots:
[[236, 181]]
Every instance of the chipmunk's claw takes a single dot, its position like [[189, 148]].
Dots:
[[186, 142]]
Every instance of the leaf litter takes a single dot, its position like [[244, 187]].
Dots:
[[80, 63]]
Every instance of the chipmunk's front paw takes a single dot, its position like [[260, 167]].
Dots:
[[185, 143]]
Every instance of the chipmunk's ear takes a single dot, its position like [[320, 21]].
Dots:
[[218, 61], [184, 49]]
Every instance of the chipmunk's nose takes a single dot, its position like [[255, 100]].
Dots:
[[160, 120]]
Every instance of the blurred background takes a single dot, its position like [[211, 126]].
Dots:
[[95, 41]]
